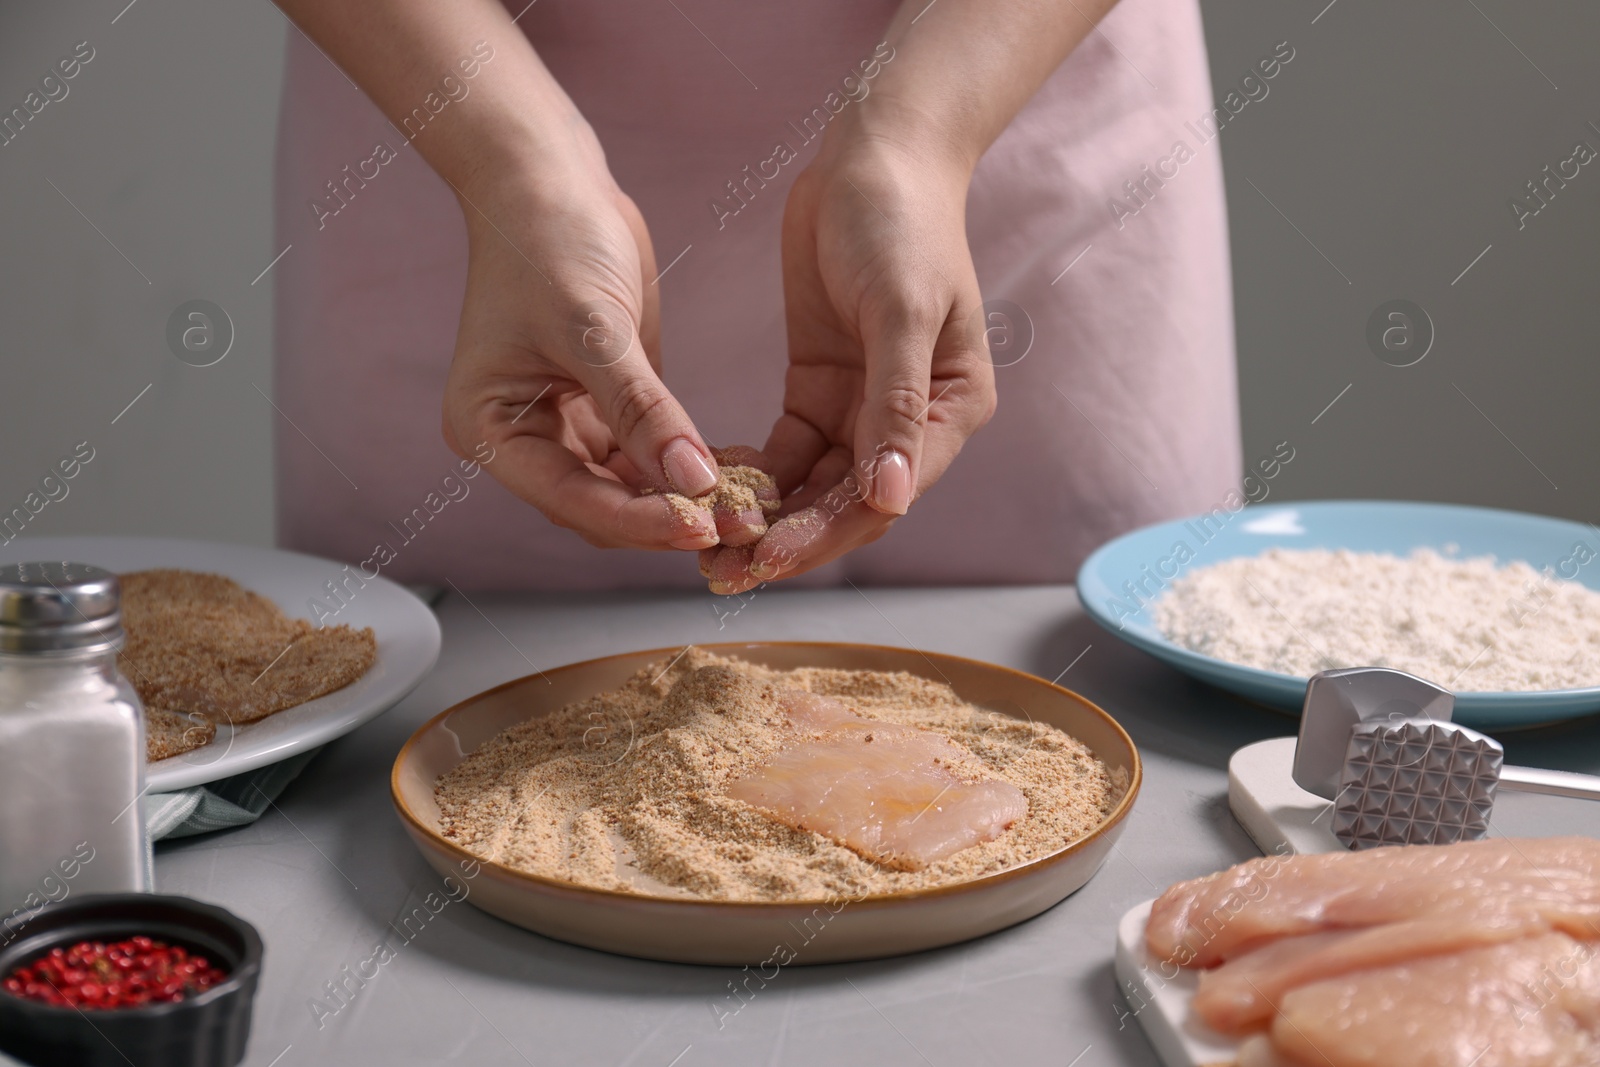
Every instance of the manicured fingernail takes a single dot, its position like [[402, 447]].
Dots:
[[695, 543], [891, 485], [765, 570], [687, 468]]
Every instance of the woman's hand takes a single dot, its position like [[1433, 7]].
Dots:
[[888, 366], [888, 371], [557, 364]]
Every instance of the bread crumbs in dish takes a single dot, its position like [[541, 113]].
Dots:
[[627, 790]]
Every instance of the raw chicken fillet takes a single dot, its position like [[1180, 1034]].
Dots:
[[1528, 1003], [1479, 954], [885, 790], [1554, 879]]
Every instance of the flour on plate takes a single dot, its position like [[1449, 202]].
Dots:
[[1466, 624]]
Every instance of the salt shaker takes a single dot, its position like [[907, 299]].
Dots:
[[71, 742]]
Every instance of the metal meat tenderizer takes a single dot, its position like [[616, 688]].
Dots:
[[1379, 743]]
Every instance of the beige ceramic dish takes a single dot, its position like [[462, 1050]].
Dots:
[[689, 931]]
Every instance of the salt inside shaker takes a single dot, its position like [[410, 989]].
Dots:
[[72, 748]]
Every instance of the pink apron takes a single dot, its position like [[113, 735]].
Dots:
[[1123, 410]]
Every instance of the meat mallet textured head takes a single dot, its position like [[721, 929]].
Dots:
[[1338, 700], [1416, 782]]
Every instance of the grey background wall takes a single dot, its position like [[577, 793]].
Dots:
[[1394, 142], [1378, 166], [164, 143]]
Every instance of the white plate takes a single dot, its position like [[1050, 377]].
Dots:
[[406, 630]]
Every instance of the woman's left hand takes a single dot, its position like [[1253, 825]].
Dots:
[[888, 374]]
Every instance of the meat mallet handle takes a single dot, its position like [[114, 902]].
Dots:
[[1555, 783]]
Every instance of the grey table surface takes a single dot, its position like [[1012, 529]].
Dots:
[[327, 872]]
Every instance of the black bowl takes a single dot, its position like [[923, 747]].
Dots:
[[209, 1030]]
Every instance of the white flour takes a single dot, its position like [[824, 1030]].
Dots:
[[1466, 624]]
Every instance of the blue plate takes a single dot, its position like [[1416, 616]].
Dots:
[[1148, 558]]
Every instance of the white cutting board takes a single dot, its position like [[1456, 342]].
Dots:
[[1158, 997], [1279, 816], [1284, 820]]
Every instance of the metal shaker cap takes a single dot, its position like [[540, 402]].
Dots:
[[58, 607]]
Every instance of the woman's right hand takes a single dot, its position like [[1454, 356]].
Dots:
[[557, 363]]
